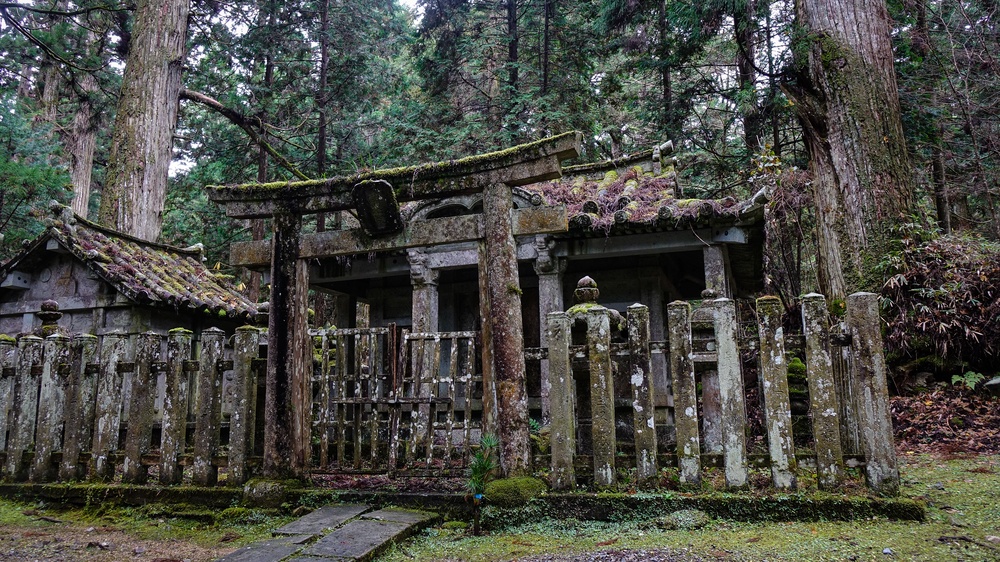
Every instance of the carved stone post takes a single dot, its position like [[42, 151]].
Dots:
[[716, 275], [685, 392], [140, 415], [425, 292], [563, 405], [881, 470], [8, 358], [550, 271], [507, 332], [823, 403], [84, 347], [734, 414], [51, 405], [287, 406], [777, 411], [640, 377]]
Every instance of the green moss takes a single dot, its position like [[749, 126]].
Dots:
[[513, 492], [6, 338], [796, 366], [513, 289], [455, 525], [583, 308]]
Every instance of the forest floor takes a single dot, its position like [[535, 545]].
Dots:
[[949, 450]]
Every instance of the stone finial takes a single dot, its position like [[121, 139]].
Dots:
[[49, 316], [586, 291]]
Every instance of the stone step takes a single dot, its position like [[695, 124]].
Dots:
[[336, 533]]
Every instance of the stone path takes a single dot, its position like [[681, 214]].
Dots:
[[343, 533]]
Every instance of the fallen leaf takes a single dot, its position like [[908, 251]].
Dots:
[[608, 542]]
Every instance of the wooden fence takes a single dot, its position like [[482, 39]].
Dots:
[[849, 403]]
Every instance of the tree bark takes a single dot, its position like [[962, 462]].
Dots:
[[846, 98], [82, 146], [744, 22], [142, 142]]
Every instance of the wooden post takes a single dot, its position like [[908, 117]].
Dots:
[[288, 405], [208, 412], [51, 406], [242, 420], [563, 403], [602, 395], [823, 403], [140, 416], [507, 331], [175, 405], [881, 470], [643, 420], [8, 359], [777, 411], [114, 355], [685, 392], [734, 415], [82, 352]]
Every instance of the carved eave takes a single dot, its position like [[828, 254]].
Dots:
[[516, 166]]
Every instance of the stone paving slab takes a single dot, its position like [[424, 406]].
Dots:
[[270, 550], [327, 517], [361, 539], [398, 515]]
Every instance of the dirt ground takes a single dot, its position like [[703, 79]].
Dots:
[[64, 541]]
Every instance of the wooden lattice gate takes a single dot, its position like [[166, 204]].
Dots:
[[389, 401]]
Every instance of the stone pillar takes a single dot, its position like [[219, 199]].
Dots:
[[563, 403], [685, 392], [51, 405], [507, 332], [425, 293], [287, 403], [777, 411], [823, 403], [734, 414], [716, 274], [602, 395], [875, 423], [641, 381], [550, 271]]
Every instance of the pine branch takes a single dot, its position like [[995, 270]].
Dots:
[[245, 123]]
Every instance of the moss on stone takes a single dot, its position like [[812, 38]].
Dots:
[[7, 338], [514, 492]]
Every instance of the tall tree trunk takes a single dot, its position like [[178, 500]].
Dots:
[[512, 44], [324, 59], [744, 22], [666, 86], [846, 98], [142, 142], [546, 45], [82, 146]]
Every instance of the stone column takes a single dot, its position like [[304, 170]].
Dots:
[[774, 373], [716, 274], [875, 423], [550, 271], [563, 411], [823, 401], [734, 414], [425, 292]]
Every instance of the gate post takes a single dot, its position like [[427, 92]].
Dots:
[[881, 471], [602, 395], [685, 392], [777, 411], [734, 414], [562, 410], [823, 402], [643, 420]]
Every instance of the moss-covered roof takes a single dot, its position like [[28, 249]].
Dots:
[[145, 272]]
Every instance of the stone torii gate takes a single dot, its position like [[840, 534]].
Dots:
[[375, 197]]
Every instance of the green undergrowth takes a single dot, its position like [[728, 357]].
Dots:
[[962, 499], [158, 522]]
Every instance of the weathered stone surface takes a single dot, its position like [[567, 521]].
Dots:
[[25, 406], [108, 408], [208, 410], [777, 411], [823, 403], [398, 515], [562, 409], [79, 408], [362, 538], [269, 550], [640, 377], [175, 406], [8, 358], [51, 406], [140, 424], [881, 469], [243, 418], [324, 518], [602, 394], [685, 392], [730, 394]]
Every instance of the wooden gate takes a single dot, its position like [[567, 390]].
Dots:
[[389, 401]]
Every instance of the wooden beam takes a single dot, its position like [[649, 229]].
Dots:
[[520, 165], [429, 232]]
